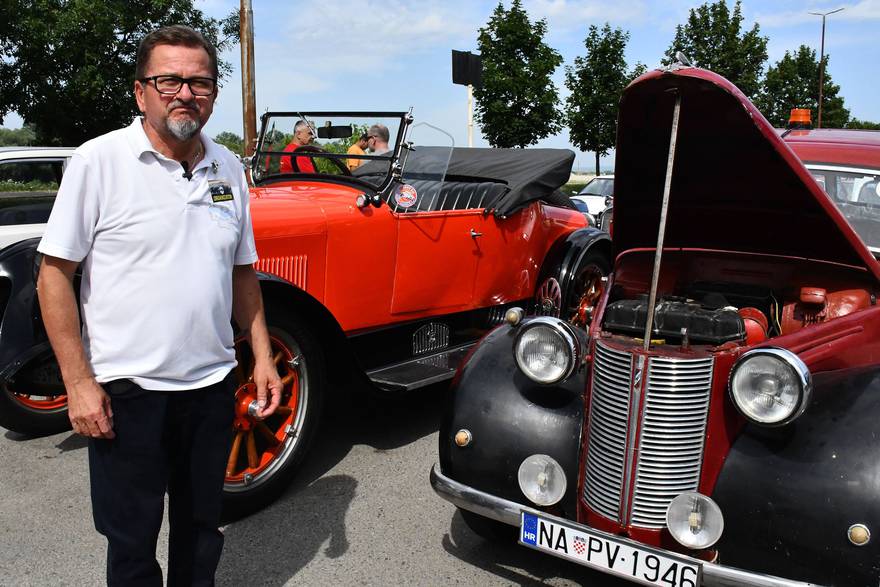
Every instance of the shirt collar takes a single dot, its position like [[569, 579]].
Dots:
[[140, 143]]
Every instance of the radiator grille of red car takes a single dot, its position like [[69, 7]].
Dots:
[[668, 445], [293, 269]]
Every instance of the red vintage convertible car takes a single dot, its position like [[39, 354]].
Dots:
[[391, 271], [713, 420]]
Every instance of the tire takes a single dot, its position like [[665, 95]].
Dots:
[[487, 528], [586, 277], [35, 404], [265, 455], [552, 299]]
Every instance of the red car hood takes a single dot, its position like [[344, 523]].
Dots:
[[735, 184]]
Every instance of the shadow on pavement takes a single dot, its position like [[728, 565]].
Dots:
[[271, 546], [505, 560], [72, 442]]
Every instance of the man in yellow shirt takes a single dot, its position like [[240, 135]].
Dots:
[[357, 149]]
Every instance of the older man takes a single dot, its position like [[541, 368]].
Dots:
[[378, 138], [302, 136], [157, 214]]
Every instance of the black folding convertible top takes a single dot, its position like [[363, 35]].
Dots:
[[530, 174]]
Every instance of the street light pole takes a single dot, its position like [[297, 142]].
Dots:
[[822, 62]]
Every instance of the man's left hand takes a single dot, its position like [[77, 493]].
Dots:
[[268, 387]]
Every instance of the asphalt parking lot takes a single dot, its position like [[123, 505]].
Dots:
[[361, 512]]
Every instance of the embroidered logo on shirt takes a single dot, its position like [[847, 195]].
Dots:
[[221, 191]]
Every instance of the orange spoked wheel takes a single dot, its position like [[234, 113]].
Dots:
[[587, 285], [548, 298], [264, 454], [34, 402]]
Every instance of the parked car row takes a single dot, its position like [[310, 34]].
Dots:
[[709, 417]]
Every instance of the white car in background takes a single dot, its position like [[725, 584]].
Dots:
[[597, 194], [29, 178]]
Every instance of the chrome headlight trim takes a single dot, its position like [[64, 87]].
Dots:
[[792, 362], [569, 339]]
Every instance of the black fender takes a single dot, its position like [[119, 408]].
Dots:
[[565, 254], [22, 336], [789, 495], [510, 417]]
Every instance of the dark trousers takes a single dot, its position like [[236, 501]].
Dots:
[[175, 441]]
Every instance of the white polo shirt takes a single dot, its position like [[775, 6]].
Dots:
[[157, 253]]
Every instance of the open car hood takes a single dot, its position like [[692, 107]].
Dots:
[[735, 184]]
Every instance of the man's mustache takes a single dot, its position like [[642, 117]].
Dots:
[[181, 104]]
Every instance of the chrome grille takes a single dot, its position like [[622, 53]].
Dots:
[[670, 444], [672, 435], [609, 413]]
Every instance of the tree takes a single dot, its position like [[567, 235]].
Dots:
[[19, 137], [794, 83], [231, 141], [517, 105], [67, 66], [862, 124], [712, 39], [596, 82]]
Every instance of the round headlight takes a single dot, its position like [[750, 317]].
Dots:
[[545, 350], [694, 520], [770, 386], [542, 480]]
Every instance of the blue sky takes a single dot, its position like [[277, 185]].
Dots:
[[395, 54]]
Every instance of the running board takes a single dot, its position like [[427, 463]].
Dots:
[[420, 372]]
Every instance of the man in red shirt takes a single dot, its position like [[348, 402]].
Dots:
[[302, 136]]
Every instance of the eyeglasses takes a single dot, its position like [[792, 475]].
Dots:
[[171, 84]]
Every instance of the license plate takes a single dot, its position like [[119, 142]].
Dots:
[[642, 564]]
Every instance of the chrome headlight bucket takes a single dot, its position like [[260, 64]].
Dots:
[[546, 350], [542, 479], [694, 520], [770, 386]]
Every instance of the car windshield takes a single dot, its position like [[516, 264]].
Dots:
[[599, 186], [856, 193], [361, 145]]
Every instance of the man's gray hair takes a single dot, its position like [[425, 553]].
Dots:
[[380, 131]]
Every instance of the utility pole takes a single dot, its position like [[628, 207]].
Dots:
[[822, 62], [248, 93], [470, 126], [467, 70]]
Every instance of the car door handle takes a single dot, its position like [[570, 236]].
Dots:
[[475, 234]]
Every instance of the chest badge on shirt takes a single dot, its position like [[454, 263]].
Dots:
[[221, 191]]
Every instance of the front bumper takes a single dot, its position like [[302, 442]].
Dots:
[[509, 512]]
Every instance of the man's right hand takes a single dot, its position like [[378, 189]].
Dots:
[[88, 407]]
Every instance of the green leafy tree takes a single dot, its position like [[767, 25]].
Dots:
[[713, 39], [794, 83], [19, 137], [518, 103], [596, 82], [231, 141], [67, 66], [862, 124]]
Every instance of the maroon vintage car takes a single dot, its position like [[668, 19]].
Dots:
[[712, 416]]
